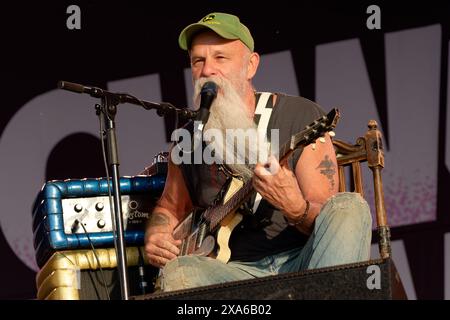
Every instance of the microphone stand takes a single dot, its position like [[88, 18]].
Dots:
[[107, 112]]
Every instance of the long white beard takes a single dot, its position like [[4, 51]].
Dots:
[[229, 112]]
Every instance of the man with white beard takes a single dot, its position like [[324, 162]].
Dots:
[[302, 222]]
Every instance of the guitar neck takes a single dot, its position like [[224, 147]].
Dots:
[[217, 213]]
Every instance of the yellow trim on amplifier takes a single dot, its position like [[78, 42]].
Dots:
[[59, 278]]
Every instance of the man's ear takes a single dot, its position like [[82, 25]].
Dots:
[[252, 65]]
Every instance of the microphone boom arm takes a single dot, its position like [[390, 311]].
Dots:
[[161, 108]]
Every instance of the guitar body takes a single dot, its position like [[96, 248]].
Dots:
[[196, 242], [223, 235], [228, 223]]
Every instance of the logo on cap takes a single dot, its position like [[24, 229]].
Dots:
[[209, 17]]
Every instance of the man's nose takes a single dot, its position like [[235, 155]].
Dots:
[[209, 69]]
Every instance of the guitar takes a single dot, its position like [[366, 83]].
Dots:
[[199, 233]]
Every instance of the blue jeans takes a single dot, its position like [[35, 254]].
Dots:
[[342, 234]]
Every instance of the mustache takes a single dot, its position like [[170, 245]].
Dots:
[[198, 85]]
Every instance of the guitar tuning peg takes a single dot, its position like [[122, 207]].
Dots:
[[322, 139], [313, 146], [332, 133]]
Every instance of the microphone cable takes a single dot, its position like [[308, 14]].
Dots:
[[102, 142], [105, 284]]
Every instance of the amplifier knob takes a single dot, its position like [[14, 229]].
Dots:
[[101, 223], [78, 207], [99, 206]]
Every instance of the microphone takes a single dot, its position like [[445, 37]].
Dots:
[[79, 88], [208, 94]]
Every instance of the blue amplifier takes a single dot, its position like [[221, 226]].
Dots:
[[63, 205]]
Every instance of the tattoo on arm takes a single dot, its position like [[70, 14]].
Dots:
[[158, 219], [327, 168]]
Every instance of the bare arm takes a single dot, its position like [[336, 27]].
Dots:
[[160, 246], [317, 176], [315, 179]]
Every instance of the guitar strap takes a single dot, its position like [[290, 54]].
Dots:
[[263, 113]]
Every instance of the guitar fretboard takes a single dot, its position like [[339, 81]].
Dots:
[[217, 213]]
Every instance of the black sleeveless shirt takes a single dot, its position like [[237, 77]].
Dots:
[[266, 231]]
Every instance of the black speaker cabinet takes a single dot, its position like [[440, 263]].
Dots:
[[374, 279], [93, 286]]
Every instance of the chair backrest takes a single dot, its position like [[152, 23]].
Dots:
[[368, 148]]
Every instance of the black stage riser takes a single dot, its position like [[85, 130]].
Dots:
[[350, 281]]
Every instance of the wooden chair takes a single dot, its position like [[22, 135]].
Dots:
[[368, 148]]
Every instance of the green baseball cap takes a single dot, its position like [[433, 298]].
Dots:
[[225, 25]]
